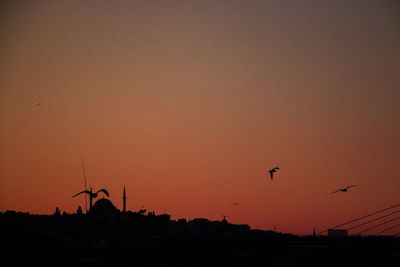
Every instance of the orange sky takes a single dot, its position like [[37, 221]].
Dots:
[[188, 105]]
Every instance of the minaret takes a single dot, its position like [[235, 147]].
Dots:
[[90, 199], [124, 201]]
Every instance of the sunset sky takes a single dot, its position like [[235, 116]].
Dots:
[[189, 103]]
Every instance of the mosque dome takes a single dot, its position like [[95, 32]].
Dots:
[[104, 208]]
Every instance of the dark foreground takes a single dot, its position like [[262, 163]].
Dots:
[[143, 241]]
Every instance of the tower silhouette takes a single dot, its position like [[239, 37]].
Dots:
[[90, 199], [124, 201]]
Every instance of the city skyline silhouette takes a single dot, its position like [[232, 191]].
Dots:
[[189, 104]]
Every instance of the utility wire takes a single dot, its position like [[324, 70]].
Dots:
[[375, 226], [363, 217], [397, 225], [373, 220]]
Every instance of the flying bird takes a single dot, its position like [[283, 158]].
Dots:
[[93, 195], [235, 203], [345, 189], [271, 172]]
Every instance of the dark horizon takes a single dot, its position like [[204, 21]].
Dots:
[[107, 237], [371, 224]]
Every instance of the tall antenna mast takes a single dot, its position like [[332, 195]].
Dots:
[[84, 176]]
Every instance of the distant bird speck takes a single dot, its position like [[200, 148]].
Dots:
[[345, 189], [38, 104], [271, 172], [235, 203]]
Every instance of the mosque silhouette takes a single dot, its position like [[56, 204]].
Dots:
[[107, 236]]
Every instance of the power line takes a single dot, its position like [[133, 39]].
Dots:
[[373, 220], [385, 222], [393, 227], [363, 217]]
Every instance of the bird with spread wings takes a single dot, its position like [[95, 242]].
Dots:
[[93, 195], [345, 189]]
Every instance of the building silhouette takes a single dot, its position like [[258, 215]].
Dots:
[[337, 232], [107, 236]]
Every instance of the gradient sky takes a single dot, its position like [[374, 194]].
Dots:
[[188, 103]]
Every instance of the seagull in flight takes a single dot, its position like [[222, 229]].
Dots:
[[345, 189], [271, 172], [93, 195]]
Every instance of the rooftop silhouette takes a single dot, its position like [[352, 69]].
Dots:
[[106, 236]]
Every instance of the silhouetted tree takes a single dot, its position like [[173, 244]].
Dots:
[[142, 211], [151, 214]]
